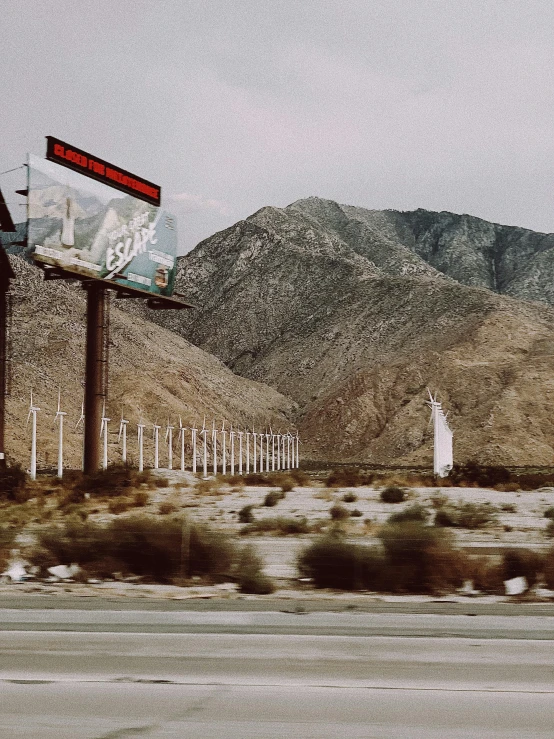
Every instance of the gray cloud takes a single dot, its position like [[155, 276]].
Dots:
[[232, 105]]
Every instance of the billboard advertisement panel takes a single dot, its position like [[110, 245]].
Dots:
[[93, 230]]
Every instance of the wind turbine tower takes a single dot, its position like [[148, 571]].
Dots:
[[59, 418], [442, 439], [33, 410], [239, 434], [169, 440], [223, 449], [193, 433], [122, 437], [204, 433], [140, 438], [156, 437], [104, 436], [232, 450]]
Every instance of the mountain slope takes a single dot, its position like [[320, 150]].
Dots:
[[154, 374], [340, 310]]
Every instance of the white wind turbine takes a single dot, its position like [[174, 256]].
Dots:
[[223, 449], [283, 461], [214, 446], [59, 418], [240, 434], [140, 439], [156, 437], [272, 449], [297, 451], [278, 436], [104, 436], [267, 451], [193, 433], [255, 450], [232, 450], [122, 437], [33, 410], [169, 441], [181, 440], [442, 439], [204, 433], [261, 465], [247, 433]]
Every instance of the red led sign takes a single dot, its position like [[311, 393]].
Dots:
[[91, 166]]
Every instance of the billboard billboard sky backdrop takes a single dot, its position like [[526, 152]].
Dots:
[[93, 230]]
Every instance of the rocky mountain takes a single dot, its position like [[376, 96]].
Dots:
[[353, 313], [154, 374]]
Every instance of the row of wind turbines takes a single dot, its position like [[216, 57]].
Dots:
[[233, 450]]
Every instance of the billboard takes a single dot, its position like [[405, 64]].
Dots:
[[93, 230]]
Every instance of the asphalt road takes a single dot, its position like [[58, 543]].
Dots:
[[104, 674]]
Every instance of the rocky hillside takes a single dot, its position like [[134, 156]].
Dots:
[[352, 313], [154, 374]]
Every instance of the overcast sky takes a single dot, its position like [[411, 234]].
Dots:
[[231, 105]]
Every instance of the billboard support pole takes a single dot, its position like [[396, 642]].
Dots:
[[94, 374], [3, 358]]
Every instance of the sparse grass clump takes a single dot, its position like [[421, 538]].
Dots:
[[522, 563], [250, 575], [273, 497], [348, 477], [167, 507], [333, 562], [349, 497], [466, 515], [140, 499], [549, 513], [245, 514], [414, 512], [119, 505], [393, 494], [549, 530], [356, 513], [339, 513], [508, 508], [7, 535], [299, 477], [138, 545], [13, 483], [280, 526]]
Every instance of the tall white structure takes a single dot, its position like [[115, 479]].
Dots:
[[156, 437], [33, 410], [104, 436], [223, 449], [193, 433], [239, 434], [232, 449], [442, 439], [59, 418], [140, 439], [122, 437], [214, 446], [204, 433], [169, 442]]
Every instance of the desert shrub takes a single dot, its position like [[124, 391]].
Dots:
[[300, 478], [356, 513], [161, 482], [334, 563], [485, 575], [466, 515], [348, 477], [339, 513], [286, 484], [167, 507], [548, 569], [250, 575], [138, 545], [7, 535], [113, 482], [204, 487], [232, 479], [13, 483], [508, 508], [280, 526], [549, 513], [393, 494], [481, 475], [119, 505], [507, 487], [140, 499], [245, 514], [414, 512], [349, 497], [420, 559], [273, 497], [439, 500], [74, 509], [256, 478], [522, 563], [549, 530]]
